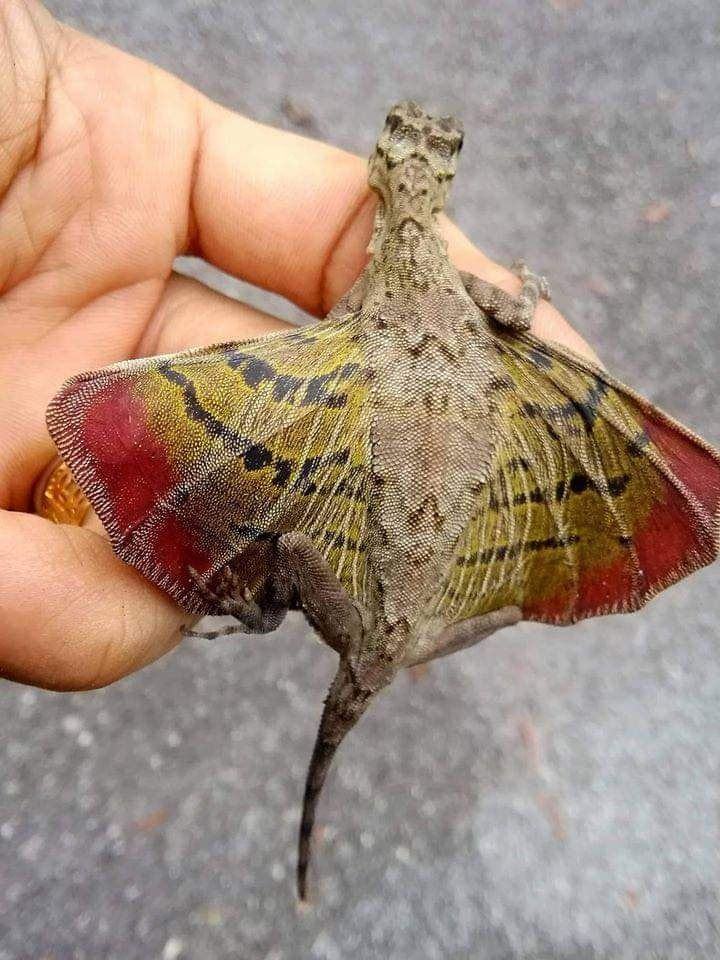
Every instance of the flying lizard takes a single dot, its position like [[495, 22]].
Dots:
[[413, 473]]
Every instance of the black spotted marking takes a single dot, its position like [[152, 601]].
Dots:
[[287, 388], [312, 464], [618, 485], [637, 445], [587, 409], [348, 486], [580, 482], [257, 457], [625, 541], [255, 534], [552, 433], [316, 391], [590, 408], [539, 359], [254, 370], [195, 411], [257, 371], [534, 496], [510, 551], [615, 486], [339, 541], [283, 472]]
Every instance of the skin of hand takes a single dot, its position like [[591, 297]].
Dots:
[[109, 169]]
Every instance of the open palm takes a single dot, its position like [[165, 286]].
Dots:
[[109, 169]]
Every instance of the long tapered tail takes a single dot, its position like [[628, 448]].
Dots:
[[343, 708]]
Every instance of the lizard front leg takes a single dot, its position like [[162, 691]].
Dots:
[[515, 313], [464, 634]]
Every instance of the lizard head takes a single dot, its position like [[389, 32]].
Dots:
[[415, 159]]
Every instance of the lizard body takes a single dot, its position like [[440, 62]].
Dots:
[[413, 473], [430, 362]]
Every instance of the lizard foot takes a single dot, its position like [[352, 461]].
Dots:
[[515, 313], [534, 287], [229, 597]]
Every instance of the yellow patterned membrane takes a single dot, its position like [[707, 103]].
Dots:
[[273, 434], [575, 478], [303, 400]]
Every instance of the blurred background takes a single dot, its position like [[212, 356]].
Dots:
[[550, 794]]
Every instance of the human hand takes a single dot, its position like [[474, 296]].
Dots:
[[109, 169]]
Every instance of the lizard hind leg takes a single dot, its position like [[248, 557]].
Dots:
[[465, 634], [303, 579]]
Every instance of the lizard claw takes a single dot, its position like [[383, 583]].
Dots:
[[203, 588], [527, 276]]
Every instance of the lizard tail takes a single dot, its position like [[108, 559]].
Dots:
[[343, 708]]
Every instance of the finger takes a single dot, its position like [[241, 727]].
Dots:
[[189, 314], [74, 616]]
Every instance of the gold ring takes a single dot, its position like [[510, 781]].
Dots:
[[58, 497]]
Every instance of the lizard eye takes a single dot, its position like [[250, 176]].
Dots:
[[442, 148], [405, 135]]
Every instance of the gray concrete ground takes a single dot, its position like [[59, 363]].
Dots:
[[552, 794]]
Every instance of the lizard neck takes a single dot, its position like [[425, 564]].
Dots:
[[408, 253]]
